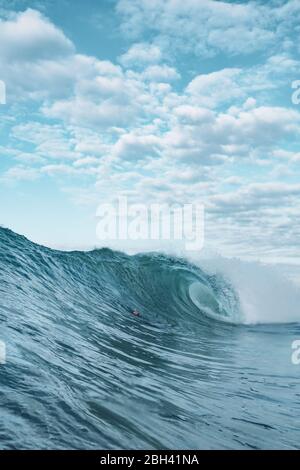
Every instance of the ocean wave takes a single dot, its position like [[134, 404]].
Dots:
[[83, 372]]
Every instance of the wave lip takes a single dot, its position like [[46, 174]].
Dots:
[[223, 307]]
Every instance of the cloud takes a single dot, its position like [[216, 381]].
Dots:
[[201, 136], [20, 173], [256, 196], [48, 141], [140, 55], [217, 87], [160, 73], [124, 100], [37, 133], [82, 111], [137, 147], [236, 85], [205, 28], [261, 126], [39, 62], [34, 55], [30, 36]]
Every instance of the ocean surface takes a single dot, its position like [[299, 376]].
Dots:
[[207, 365]]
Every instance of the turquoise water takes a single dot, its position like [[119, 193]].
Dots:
[[83, 373]]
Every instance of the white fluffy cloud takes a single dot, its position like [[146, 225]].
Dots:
[[30, 36], [39, 62], [137, 147], [206, 27], [34, 55], [160, 73], [141, 54]]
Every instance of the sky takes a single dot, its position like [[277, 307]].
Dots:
[[157, 100]]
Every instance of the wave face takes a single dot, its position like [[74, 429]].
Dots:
[[83, 373]]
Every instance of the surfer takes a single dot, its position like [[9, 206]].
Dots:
[[136, 313]]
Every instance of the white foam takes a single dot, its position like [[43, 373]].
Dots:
[[266, 294]]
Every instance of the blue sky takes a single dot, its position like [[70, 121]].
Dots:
[[161, 101]]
